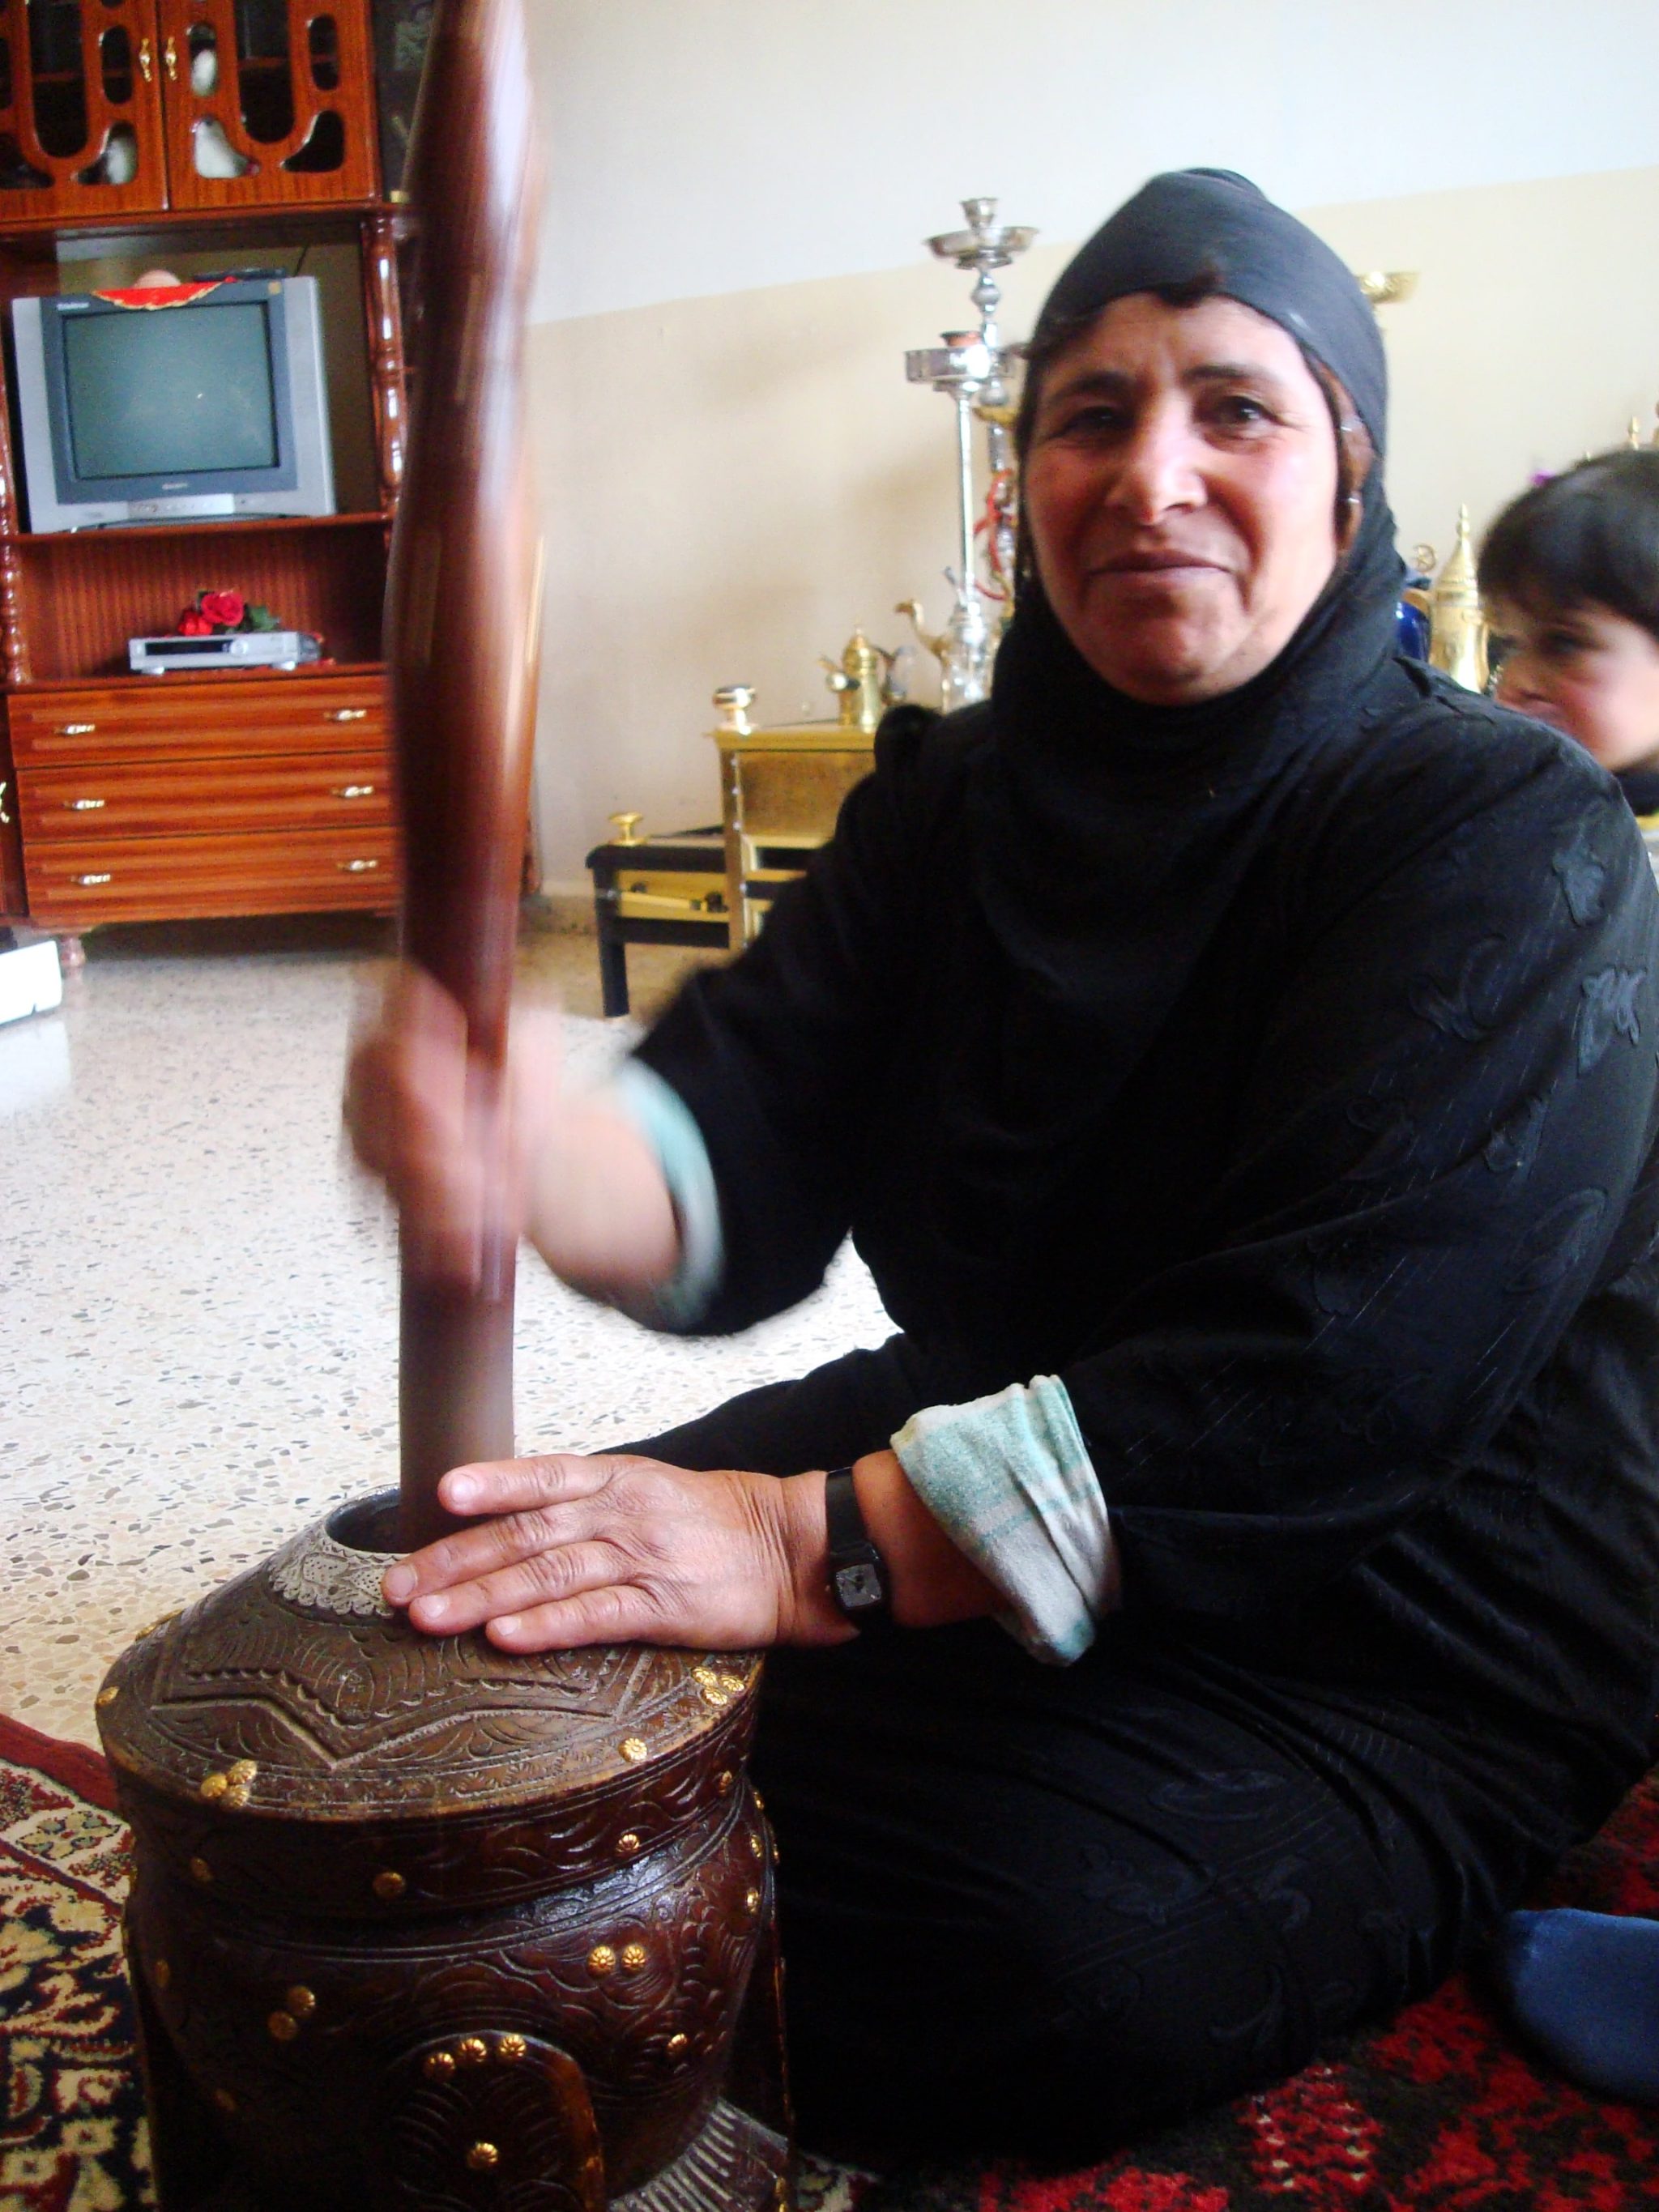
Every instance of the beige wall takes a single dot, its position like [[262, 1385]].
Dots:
[[731, 483]]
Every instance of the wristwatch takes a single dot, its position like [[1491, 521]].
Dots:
[[858, 1573]]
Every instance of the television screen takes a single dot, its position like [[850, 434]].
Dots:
[[160, 394], [208, 407]]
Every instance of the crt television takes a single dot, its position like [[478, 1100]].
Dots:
[[211, 408]]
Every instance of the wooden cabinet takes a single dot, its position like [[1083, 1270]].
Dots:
[[166, 797], [222, 128], [114, 108]]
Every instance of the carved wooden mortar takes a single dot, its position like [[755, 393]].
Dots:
[[419, 1923]]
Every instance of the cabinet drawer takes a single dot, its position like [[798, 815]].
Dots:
[[133, 798], [76, 883], [155, 719]]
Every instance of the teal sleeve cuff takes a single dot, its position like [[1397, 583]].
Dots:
[[668, 1125], [1010, 1480]]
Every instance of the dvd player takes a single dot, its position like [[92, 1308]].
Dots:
[[235, 648]]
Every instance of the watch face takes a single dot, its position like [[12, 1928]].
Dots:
[[858, 1588]]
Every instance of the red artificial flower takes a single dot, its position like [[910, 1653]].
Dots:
[[226, 607], [191, 624]]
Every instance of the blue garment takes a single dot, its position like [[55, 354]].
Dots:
[[1584, 1987]]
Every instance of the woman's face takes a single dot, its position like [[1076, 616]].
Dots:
[[1180, 491], [1587, 671]]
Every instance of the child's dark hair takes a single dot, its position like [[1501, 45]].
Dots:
[[1588, 537]]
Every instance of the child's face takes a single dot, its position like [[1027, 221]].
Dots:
[[1587, 671]]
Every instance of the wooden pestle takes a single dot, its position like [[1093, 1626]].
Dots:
[[461, 622]]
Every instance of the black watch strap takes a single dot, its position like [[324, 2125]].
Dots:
[[858, 1573]]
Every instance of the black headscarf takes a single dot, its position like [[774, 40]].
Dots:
[[1111, 836]]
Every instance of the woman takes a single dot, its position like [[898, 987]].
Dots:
[[1232, 1050]]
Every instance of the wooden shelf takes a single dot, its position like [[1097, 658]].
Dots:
[[83, 593], [229, 526], [174, 679]]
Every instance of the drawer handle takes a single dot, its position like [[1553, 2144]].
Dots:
[[356, 867], [346, 714], [82, 805], [87, 882], [75, 729], [354, 791], [5, 818], [146, 61], [170, 55]]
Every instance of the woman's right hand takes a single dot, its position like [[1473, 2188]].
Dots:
[[474, 1157]]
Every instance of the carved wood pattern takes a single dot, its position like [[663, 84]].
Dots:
[[267, 182], [74, 184], [529, 2109], [639, 1978]]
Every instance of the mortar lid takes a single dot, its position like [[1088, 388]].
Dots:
[[312, 1698]]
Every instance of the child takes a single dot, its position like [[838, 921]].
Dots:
[[1570, 575]]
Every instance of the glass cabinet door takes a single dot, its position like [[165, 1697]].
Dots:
[[80, 111], [267, 102]]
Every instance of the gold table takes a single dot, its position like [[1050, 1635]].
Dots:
[[780, 791]]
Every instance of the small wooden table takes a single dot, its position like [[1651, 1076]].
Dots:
[[780, 791], [655, 891]]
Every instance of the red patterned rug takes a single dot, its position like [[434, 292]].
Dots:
[[1438, 2112]]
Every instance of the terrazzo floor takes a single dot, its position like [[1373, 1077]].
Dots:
[[200, 1315]]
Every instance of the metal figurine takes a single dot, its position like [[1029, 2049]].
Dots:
[[862, 681], [417, 1922], [1384, 287], [1457, 627], [971, 369]]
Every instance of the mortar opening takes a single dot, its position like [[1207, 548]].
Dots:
[[369, 1524]]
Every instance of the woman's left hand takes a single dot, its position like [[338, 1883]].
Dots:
[[618, 1550]]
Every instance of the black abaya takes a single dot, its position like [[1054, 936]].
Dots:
[[1280, 1074]]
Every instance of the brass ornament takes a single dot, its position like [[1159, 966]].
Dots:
[[1457, 625], [160, 1973], [472, 2050], [388, 1884], [633, 1956], [757, 1847], [752, 1900], [482, 2157], [107, 1697], [601, 1959], [626, 1844], [510, 2048], [282, 2026], [439, 2064], [676, 2043], [1384, 287], [200, 1870], [634, 1749], [300, 2001]]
